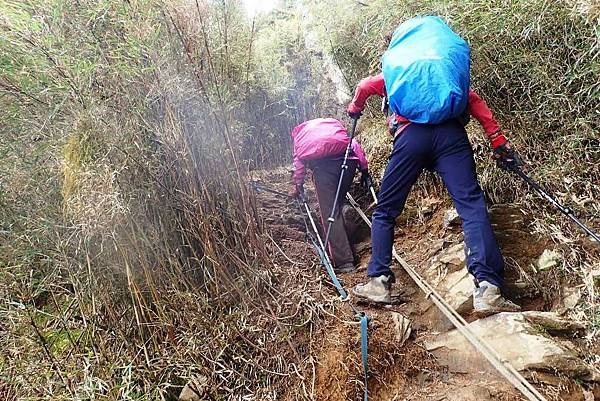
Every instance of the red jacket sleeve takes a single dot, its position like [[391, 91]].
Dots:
[[369, 86], [482, 113]]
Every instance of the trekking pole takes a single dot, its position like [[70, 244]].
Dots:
[[331, 218], [373, 194], [322, 251], [259, 187], [546, 195]]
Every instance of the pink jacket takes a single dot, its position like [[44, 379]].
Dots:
[[321, 138]]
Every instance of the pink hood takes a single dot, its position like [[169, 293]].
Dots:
[[320, 138]]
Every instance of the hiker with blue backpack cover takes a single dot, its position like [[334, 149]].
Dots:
[[425, 80]]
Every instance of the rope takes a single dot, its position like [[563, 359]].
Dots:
[[362, 317], [500, 364]]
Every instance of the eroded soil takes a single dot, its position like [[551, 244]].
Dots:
[[333, 370]]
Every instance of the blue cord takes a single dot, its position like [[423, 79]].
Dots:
[[364, 342]]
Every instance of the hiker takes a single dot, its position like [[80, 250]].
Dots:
[[442, 147], [320, 145]]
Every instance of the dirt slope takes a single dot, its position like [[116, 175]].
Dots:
[[332, 369]]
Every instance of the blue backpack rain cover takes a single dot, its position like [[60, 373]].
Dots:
[[426, 71]]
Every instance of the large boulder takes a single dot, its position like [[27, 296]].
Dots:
[[521, 338]]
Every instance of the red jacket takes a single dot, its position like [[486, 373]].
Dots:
[[375, 86]]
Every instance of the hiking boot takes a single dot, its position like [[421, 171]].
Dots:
[[345, 268], [487, 300], [376, 290]]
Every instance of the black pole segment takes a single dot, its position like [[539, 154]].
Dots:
[[546, 195], [331, 218]]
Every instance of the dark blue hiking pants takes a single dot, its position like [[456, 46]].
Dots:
[[444, 148]]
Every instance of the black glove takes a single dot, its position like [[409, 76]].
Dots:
[[506, 157], [366, 180], [354, 116]]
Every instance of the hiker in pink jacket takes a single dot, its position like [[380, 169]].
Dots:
[[320, 145]]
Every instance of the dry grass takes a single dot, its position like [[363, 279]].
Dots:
[[132, 256]]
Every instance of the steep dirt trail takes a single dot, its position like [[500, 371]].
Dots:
[[399, 371]]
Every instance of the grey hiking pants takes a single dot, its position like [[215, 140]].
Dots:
[[326, 175]]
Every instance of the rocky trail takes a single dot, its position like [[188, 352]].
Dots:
[[414, 353]]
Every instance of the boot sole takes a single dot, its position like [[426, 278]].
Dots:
[[344, 271], [383, 299]]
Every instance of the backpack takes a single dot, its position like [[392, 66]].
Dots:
[[319, 138], [426, 71]]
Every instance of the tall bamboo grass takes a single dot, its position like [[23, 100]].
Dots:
[[134, 257]]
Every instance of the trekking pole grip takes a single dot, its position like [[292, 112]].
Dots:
[[353, 131]]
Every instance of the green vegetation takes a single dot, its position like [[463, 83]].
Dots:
[[131, 253], [535, 63]]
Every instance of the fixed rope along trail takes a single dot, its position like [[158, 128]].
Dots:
[[500, 364]]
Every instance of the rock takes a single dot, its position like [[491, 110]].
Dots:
[[451, 218], [588, 395], [548, 259], [526, 345], [402, 328], [195, 389], [425, 210], [455, 287], [570, 298], [457, 290], [552, 322], [448, 275], [469, 393], [455, 255]]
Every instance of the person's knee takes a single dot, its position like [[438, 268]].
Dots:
[[386, 214], [472, 209]]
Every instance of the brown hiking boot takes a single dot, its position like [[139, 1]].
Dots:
[[344, 268]]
